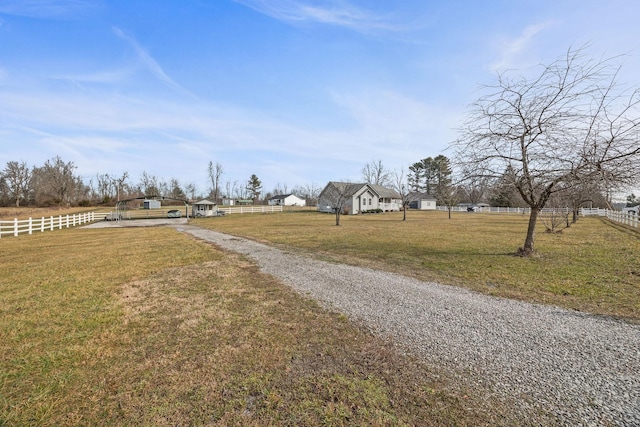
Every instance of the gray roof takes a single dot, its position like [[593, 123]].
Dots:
[[204, 202], [282, 196], [419, 196], [385, 192], [352, 188]]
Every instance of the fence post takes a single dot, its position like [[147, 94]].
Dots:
[[15, 227], [30, 225], [42, 225], [59, 222]]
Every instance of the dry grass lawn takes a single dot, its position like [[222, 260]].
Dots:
[[146, 326], [593, 266]]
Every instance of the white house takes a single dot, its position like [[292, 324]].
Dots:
[[286, 200], [422, 201], [358, 198], [204, 208]]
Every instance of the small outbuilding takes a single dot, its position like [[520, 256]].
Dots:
[[151, 204], [422, 201], [204, 208], [286, 200]]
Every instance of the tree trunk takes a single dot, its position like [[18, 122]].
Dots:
[[527, 249], [404, 216], [449, 209], [337, 216]]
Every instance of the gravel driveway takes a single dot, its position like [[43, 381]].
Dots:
[[582, 369]]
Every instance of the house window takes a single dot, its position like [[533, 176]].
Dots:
[[364, 202], [369, 201]]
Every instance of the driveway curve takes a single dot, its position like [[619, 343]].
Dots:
[[581, 369]]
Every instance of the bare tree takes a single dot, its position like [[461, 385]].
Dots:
[[215, 175], [119, 184], [17, 176], [375, 173], [335, 196], [104, 183], [401, 186], [309, 192], [175, 190], [447, 194], [571, 123], [55, 181], [191, 189], [475, 188], [280, 189], [149, 185], [503, 191]]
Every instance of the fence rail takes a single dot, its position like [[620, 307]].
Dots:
[[616, 216], [491, 209], [249, 209], [16, 227]]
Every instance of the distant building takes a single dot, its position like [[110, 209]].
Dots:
[[422, 201], [358, 198], [204, 208], [151, 204], [286, 200]]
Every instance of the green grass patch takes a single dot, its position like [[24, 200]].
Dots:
[[593, 266], [147, 326]]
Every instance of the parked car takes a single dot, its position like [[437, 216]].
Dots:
[[112, 216], [174, 213], [472, 209]]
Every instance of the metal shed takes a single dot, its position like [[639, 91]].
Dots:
[[152, 204]]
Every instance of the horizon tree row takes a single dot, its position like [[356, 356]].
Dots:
[[56, 183]]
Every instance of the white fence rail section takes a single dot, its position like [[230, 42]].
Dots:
[[617, 216], [249, 209], [31, 225], [492, 209]]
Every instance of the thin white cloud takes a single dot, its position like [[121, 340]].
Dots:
[[512, 51], [410, 127], [105, 77], [49, 9], [339, 14], [149, 63], [136, 133]]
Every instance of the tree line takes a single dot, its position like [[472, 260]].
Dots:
[[56, 183]]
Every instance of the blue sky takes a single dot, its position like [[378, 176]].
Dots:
[[294, 91]]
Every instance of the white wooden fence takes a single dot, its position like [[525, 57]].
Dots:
[[617, 216], [15, 227], [491, 209], [249, 209]]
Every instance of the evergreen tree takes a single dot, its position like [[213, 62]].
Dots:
[[254, 186]]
